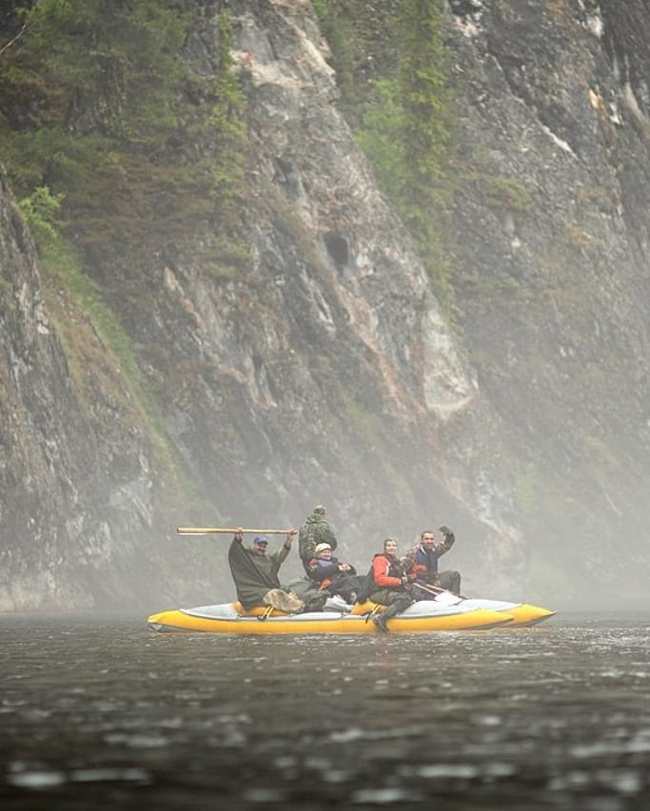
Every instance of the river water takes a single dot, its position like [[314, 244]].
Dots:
[[99, 712]]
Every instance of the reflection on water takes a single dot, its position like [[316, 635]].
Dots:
[[101, 713]]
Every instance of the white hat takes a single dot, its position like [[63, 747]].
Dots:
[[321, 547]]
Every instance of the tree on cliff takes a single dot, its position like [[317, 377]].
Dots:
[[98, 104], [407, 132]]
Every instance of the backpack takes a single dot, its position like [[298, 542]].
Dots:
[[366, 586]]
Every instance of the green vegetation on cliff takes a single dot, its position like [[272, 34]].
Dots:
[[86, 90], [117, 148], [405, 127], [99, 105]]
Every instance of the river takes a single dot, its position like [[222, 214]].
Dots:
[[99, 712]]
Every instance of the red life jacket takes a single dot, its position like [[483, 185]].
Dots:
[[387, 571]]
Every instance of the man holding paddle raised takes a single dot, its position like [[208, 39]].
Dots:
[[256, 573]]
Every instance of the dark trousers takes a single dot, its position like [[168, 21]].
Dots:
[[347, 585], [449, 580], [394, 599]]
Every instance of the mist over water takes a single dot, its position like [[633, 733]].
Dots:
[[98, 712]]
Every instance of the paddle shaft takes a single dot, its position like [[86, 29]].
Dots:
[[436, 590], [429, 589], [228, 531]]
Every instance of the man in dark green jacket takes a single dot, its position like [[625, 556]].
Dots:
[[256, 574], [314, 531]]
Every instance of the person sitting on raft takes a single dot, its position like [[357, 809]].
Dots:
[[256, 574], [331, 575], [390, 584], [422, 559]]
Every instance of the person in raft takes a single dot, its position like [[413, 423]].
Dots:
[[256, 573], [423, 560], [316, 530], [330, 575], [391, 584]]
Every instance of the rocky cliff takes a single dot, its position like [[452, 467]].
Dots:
[[80, 510], [552, 223], [323, 369]]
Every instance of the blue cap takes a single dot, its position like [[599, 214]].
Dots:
[[260, 539]]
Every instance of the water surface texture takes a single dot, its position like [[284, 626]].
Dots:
[[102, 713]]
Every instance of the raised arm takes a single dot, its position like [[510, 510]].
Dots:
[[281, 555], [236, 549], [237, 539], [447, 543]]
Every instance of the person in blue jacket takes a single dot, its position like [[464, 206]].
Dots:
[[422, 560], [332, 575]]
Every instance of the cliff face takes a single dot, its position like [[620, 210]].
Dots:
[[552, 217], [78, 505], [324, 370]]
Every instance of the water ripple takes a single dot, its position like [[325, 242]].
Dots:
[[550, 718]]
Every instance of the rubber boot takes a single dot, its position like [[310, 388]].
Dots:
[[399, 604], [380, 622]]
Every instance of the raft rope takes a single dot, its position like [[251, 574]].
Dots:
[[377, 609], [266, 614]]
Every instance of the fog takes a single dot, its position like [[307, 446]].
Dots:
[[284, 303]]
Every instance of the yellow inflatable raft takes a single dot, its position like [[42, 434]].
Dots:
[[452, 614]]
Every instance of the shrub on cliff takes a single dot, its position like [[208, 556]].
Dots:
[[407, 133], [98, 104]]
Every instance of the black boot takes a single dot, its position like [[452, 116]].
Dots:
[[380, 623], [399, 604]]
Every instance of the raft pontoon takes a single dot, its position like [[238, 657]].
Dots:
[[445, 613]]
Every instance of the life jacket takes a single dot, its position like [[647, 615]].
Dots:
[[323, 571], [387, 571], [426, 563]]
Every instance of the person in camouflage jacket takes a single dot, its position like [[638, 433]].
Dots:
[[314, 531]]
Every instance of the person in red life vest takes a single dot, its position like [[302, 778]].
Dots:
[[422, 559], [332, 575], [390, 584]]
